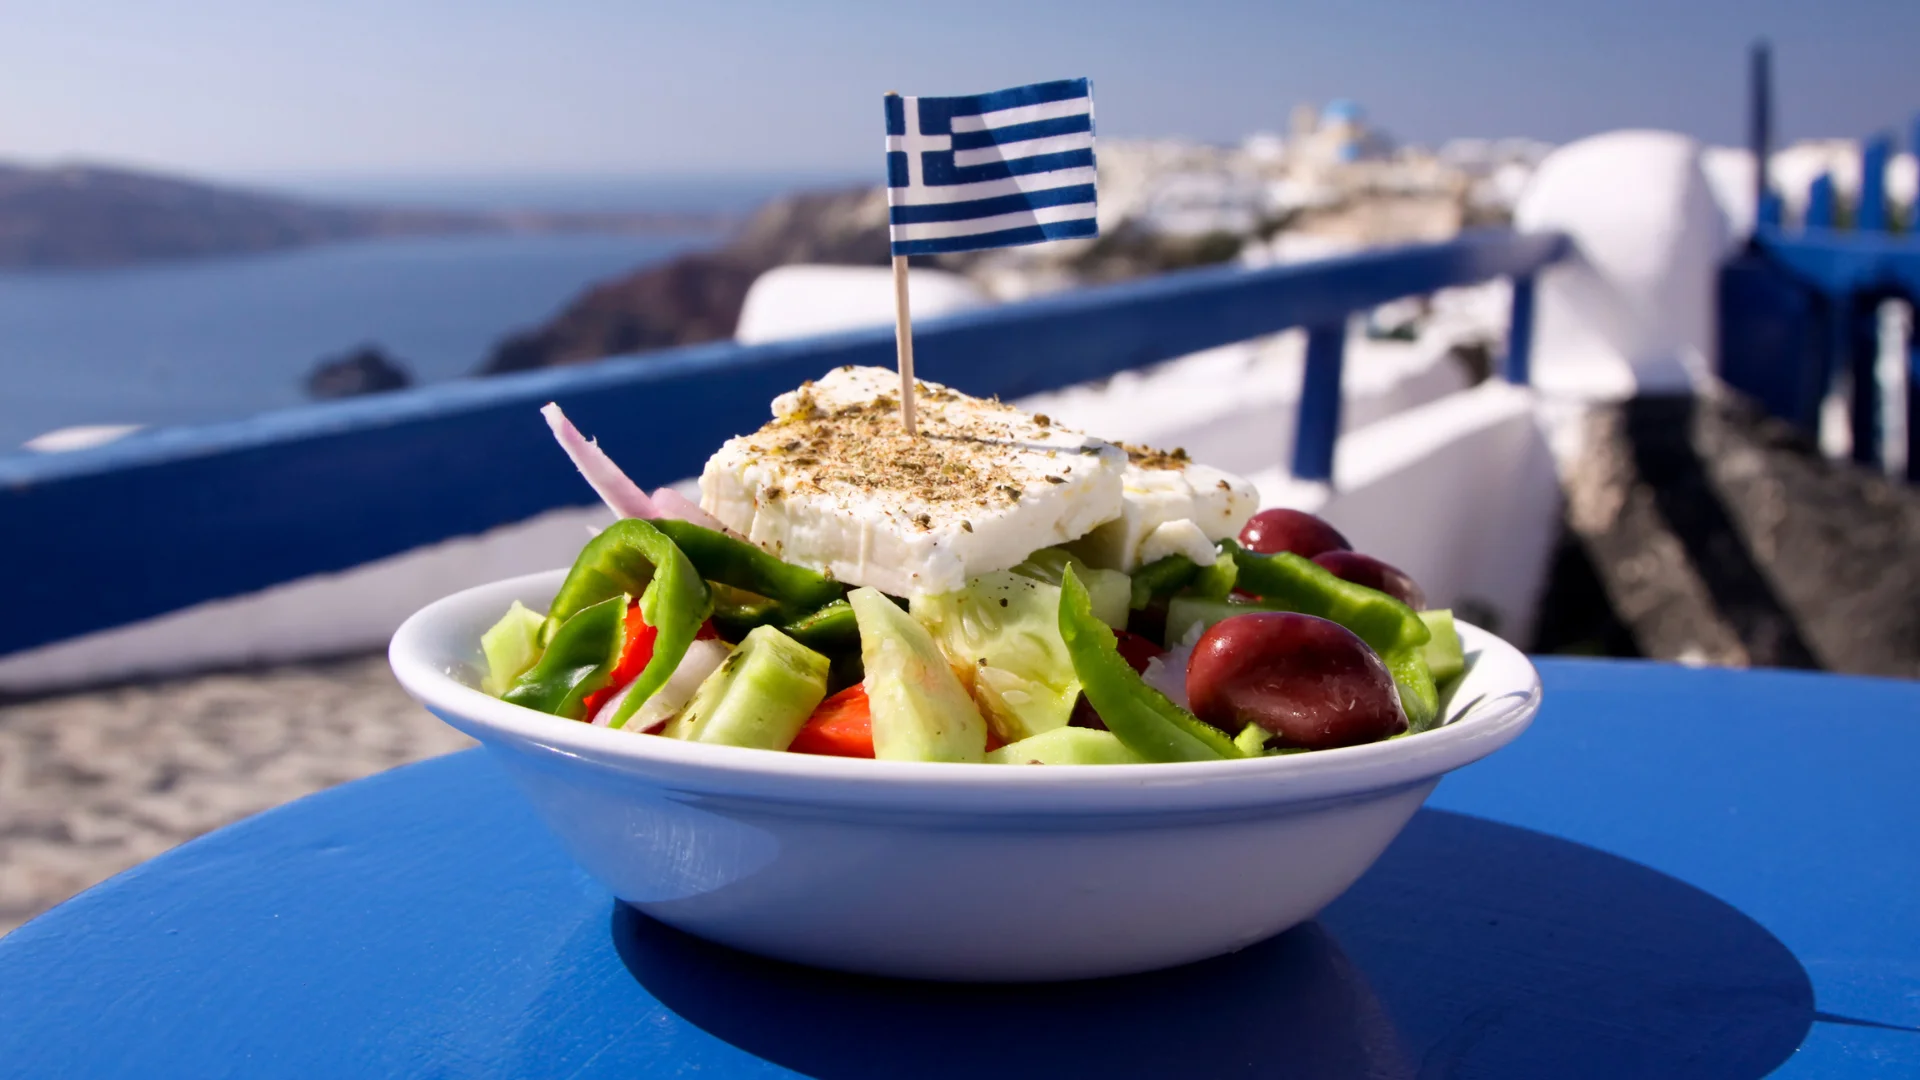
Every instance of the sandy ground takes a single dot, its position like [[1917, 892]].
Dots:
[[94, 782]]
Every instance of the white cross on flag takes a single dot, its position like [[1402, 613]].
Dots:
[[990, 170]]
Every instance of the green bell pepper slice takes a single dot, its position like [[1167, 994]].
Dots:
[[828, 630], [634, 558], [1419, 697], [737, 612], [1140, 716], [1216, 582], [732, 561], [1161, 577], [1287, 581], [579, 660]]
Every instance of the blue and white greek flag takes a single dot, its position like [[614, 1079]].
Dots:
[[990, 170]]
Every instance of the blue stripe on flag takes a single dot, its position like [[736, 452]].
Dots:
[[897, 175], [1026, 234], [979, 208], [896, 114], [937, 113], [940, 171], [1039, 129], [1035, 94]]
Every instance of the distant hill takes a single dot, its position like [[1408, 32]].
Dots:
[[697, 296], [71, 216]]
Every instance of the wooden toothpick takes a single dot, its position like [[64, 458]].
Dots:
[[903, 343]]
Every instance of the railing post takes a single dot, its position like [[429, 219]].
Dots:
[[1913, 385], [1821, 211], [1772, 213], [1317, 426], [1871, 215], [1856, 349], [1519, 365], [1766, 208], [1913, 210]]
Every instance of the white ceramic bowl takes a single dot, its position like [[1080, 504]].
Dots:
[[962, 872]]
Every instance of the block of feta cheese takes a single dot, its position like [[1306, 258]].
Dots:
[[1170, 506], [834, 483]]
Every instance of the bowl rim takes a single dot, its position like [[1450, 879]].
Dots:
[[436, 641]]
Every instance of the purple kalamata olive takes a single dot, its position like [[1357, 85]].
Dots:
[[1307, 680], [1374, 574], [1272, 531]]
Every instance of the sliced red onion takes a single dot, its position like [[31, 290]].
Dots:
[[1167, 672], [702, 659], [611, 707], [672, 504], [621, 494]]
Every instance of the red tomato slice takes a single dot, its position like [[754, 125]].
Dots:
[[842, 726], [635, 654]]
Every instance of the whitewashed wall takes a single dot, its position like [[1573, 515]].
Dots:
[[1461, 493], [1633, 311], [1235, 406], [804, 300]]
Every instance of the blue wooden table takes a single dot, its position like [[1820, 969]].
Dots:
[[1675, 873]]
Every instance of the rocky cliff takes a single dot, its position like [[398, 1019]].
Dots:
[[697, 297], [687, 300], [366, 370], [1703, 531]]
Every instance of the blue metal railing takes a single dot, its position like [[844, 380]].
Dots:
[[163, 520], [1801, 307]]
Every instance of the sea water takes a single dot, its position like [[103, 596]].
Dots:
[[211, 339]]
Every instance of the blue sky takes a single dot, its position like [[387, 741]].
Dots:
[[588, 86]]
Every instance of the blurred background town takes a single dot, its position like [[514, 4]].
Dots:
[[220, 213]]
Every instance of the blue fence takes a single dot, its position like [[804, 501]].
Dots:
[[1801, 307], [167, 519]]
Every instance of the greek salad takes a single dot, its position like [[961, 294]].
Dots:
[[997, 588]]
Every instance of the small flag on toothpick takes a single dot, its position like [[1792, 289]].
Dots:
[[984, 171]]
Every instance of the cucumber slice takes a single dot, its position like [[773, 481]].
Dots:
[[1067, 746], [1186, 612], [1110, 590], [1002, 633], [1445, 658], [760, 696], [920, 710], [511, 647]]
